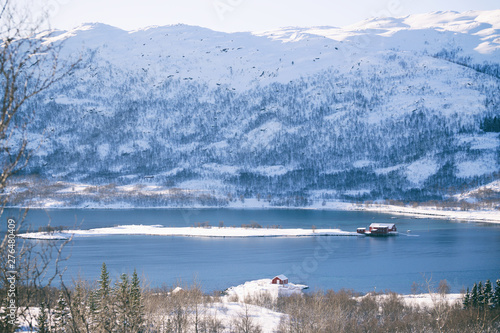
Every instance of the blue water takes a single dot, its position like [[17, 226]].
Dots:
[[461, 253]]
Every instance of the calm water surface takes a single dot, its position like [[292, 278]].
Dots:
[[461, 253]]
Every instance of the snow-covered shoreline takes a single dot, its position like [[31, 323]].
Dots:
[[484, 216], [434, 213], [158, 230]]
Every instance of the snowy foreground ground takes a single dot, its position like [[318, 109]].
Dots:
[[232, 306], [269, 320], [158, 230]]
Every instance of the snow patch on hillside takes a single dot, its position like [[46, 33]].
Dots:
[[271, 170], [383, 171], [263, 135], [357, 192], [481, 142], [203, 185], [362, 163], [220, 168], [418, 171], [492, 188], [482, 165], [103, 150]]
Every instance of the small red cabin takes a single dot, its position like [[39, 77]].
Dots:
[[280, 279]]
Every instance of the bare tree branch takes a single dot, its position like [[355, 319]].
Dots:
[[29, 65]]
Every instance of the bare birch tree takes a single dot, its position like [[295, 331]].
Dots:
[[29, 65]]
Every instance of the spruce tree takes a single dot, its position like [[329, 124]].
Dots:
[[474, 296], [488, 294], [42, 320], [136, 303], [466, 301], [105, 309], [123, 306], [480, 294], [93, 310], [61, 315], [496, 302], [81, 308]]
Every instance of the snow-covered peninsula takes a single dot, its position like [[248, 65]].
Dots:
[[158, 230]]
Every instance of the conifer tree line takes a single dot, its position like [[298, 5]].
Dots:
[[124, 306], [483, 295], [106, 308]]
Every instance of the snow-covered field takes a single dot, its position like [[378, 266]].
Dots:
[[431, 300], [423, 300], [267, 319], [158, 230]]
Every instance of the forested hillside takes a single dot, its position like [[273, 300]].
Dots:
[[393, 108]]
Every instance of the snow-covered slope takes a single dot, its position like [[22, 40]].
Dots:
[[390, 107], [476, 33], [182, 51]]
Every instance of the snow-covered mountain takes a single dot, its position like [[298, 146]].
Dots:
[[387, 108]]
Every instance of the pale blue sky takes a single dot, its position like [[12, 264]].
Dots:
[[242, 15]]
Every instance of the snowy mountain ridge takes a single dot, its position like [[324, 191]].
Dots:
[[387, 108], [479, 38], [482, 26]]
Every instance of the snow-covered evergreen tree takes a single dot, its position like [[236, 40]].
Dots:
[[123, 305], [474, 296], [497, 294], [136, 304], [43, 324], [61, 315], [480, 294], [106, 311], [488, 294], [467, 299]]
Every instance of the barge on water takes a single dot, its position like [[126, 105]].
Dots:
[[379, 229]]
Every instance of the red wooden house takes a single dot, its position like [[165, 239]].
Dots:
[[379, 229], [383, 227], [280, 279]]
